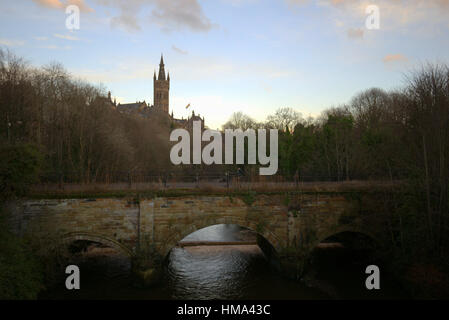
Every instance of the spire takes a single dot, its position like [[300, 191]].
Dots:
[[161, 69], [168, 76], [154, 77]]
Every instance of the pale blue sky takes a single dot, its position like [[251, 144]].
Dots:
[[233, 55]]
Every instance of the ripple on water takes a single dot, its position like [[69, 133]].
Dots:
[[210, 272]]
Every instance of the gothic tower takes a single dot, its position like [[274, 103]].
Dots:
[[161, 88]]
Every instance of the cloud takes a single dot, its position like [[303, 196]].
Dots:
[[297, 2], [11, 43], [55, 47], [59, 4], [267, 88], [54, 4], [391, 58], [355, 33], [127, 20], [194, 68], [424, 16], [176, 49], [66, 37], [177, 14], [341, 2], [339, 23], [394, 13], [41, 38], [239, 3], [81, 4], [189, 68], [173, 15]]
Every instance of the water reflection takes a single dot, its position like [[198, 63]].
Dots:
[[212, 272], [216, 272], [222, 232], [229, 272]]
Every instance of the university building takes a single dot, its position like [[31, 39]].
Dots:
[[161, 102]]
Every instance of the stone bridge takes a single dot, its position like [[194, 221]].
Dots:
[[287, 220]]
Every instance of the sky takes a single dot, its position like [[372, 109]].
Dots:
[[224, 56]]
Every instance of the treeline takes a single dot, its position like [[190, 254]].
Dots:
[[398, 135], [76, 129], [377, 135]]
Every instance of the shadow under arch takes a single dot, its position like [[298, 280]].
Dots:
[[337, 262], [345, 248], [345, 230], [74, 236], [266, 240]]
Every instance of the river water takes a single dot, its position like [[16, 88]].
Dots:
[[222, 272]]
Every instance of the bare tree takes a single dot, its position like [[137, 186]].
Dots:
[[284, 119], [239, 120]]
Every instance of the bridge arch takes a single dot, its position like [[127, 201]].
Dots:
[[345, 229], [265, 232], [73, 236]]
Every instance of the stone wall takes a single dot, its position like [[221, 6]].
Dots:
[[284, 220]]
